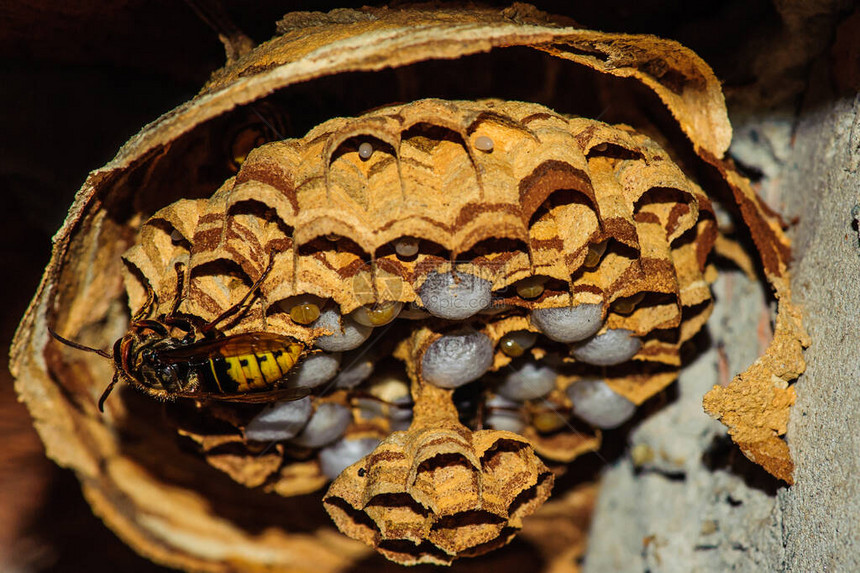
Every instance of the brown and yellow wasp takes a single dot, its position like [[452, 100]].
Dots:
[[179, 356]]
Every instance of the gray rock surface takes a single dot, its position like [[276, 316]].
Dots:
[[821, 513], [676, 502], [684, 500]]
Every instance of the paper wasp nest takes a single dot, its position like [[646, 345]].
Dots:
[[546, 253], [480, 286]]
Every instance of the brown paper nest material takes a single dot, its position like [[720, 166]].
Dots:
[[168, 503]]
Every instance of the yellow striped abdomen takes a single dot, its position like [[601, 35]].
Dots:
[[251, 372]]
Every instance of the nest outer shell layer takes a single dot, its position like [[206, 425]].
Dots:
[[170, 513]]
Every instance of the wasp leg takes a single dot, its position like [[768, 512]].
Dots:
[[155, 325], [180, 286], [150, 300], [108, 390], [233, 309]]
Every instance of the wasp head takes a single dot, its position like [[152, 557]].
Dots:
[[144, 365]]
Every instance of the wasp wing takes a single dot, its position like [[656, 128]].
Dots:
[[234, 345], [263, 397], [249, 343]]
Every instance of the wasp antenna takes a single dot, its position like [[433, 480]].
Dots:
[[68, 342], [214, 14], [107, 391], [267, 123]]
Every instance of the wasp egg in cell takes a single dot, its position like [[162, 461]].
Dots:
[[595, 252], [315, 370], [608, 349], [548, 420], [628, 304], [365, 150], [457, 358], [406, 247], [455, 295], [279, 421], [484, 143], [327, 424], [569, 323], [304, 313], [378, 314], [303, 309], [504, 414], [527, 381], [346, 333], [531, 287], [343, 453], [596, 403], [515, 343]]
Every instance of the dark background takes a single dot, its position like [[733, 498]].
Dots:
[[79, 77]]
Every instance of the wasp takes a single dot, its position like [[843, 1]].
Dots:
[[180, 356]]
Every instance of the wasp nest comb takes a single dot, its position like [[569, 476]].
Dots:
[[547, 267], [438, 490], [426, 304]]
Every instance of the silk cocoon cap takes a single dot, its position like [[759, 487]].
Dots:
[[596, 403], [279, 421], [457, 358]]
